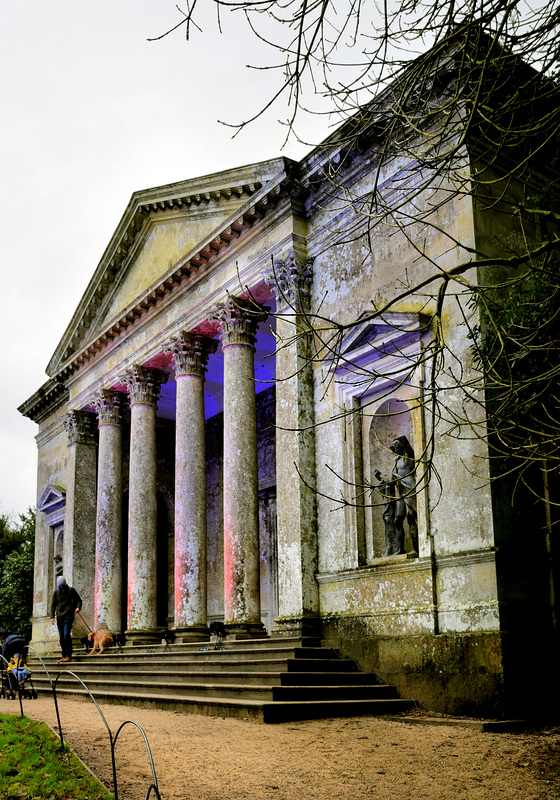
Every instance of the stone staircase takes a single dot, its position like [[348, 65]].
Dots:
[[266, 680]]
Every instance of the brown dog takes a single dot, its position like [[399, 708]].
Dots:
[[100, 639]]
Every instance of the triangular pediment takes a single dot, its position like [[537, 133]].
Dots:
[[52, 503], [382, 334], [159, 227], [165, 239], [379, 353]]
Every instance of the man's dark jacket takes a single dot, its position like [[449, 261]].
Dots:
[[64, 603]]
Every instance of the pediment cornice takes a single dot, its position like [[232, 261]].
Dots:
[[52, 394]]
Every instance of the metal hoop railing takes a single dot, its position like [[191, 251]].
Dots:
[[153, 787]]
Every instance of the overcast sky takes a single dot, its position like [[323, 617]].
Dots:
[[91, 112]]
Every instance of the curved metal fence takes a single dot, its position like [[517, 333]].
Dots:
[[8, 690]]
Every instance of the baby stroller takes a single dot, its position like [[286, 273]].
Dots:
[[15, 672]]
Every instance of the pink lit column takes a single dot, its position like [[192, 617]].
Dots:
[[144, 385], [190, 355], [108, 539], [238, 323]]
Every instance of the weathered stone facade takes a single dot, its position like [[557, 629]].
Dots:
[[183, 482]]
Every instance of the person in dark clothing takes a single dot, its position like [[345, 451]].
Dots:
[[65, 603]]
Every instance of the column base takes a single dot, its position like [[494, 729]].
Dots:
[[245, 630], [192, 633], [139, 638], [297, 626]]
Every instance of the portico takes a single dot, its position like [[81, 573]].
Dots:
[[183, 362]]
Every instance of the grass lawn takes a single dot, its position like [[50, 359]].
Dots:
[[33, 767]]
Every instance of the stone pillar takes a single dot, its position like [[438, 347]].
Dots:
[[108, 537], [190, 355], [238, 322], [298, 600], [79, 524], [144, 385]]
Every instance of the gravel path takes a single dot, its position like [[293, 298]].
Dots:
[[210, 758]]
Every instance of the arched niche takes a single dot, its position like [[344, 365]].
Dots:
[[380, 376], [58, 557]]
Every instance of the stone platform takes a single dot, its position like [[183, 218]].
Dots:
[[270, 680]]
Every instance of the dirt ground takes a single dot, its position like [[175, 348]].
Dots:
[[211, 758]]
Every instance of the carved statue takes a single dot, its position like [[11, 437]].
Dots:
[[404, 477], [394, 535], [58, 570]]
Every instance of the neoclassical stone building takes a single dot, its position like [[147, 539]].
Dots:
[[191, 454]]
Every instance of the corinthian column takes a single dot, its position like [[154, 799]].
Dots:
[[144, 385], [190, 355], [298, 595], [108, 538], [238, 322]]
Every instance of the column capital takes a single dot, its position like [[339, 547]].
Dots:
[[290, 278], [190, 352], [80, 427], [144, 384], [238, 320], [108, 405]]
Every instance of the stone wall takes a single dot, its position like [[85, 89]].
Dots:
[[459, 674]]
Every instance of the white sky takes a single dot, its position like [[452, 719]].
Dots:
[[92, 111]]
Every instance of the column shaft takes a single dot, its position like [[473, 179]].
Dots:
[[142, 520], [190, 355], [238, 322], [108, 544], [144, 385], [241, 531]]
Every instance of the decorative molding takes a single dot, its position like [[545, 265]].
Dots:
[[466, 559], [108, 405], [379, 567], [144, 384], [290, 278], [50, 431], [190, 352], [407, 563], [379, 354], [53, 505], [238, 320], [80, 427], [50, 396]]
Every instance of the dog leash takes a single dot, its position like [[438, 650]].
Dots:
[[83, 620]]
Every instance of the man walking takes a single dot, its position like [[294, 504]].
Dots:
[[65, 603]]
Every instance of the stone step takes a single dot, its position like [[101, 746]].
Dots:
[[257, 710], [201, 655], [268, 664], [189, 677], [239, 690], [185, 648]]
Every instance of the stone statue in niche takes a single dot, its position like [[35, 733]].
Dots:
[[394, 539], [400, 499], [404, 477], [57, 566]]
